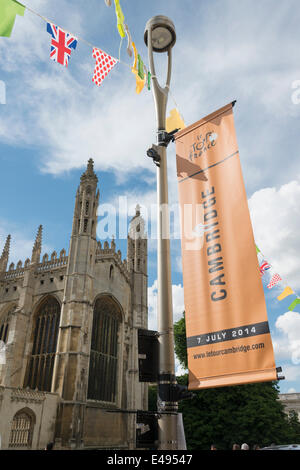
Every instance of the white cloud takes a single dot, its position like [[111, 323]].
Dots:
[[275, 215], [178, 308], [114, 125], [178, 304], [289, 325], [21, 243], [291, 372]]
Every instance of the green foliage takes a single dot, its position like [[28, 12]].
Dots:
[[180, 341], [224, 416]]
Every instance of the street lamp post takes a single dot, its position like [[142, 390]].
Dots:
[[160, 37]]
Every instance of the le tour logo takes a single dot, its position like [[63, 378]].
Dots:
[[203, 144]]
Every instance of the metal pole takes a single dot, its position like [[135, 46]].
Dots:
[[167, 422]]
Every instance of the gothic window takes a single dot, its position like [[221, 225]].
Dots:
[[103, 372], [3, 331], [41, 362], [4, 325], [21, 430], [111, 272]]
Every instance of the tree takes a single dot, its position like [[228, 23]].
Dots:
[[227, 415]]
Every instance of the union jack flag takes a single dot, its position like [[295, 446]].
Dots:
[[61, 44], [264, 267]]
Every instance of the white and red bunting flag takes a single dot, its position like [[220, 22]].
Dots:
[[104, 64], [274, 280]]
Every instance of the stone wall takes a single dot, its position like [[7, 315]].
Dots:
[[40, 406], [291, 401]]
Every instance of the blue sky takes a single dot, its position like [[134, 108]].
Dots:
[[54, 119]]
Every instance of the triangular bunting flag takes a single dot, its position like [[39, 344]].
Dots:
[[264, 267], [141, 67], [139, 82], [287, 291], [149, 81], [104, 64], [61, 44], [174, 121], [120, 18], [274, 280], [8, 11], [293, 304]]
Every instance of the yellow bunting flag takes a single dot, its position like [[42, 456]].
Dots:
[[174, 121], [287, 291], [139, 82], [120, 19], [134, 55]]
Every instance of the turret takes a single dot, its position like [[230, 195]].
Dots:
[[87, 198], [137, 266], [137, 244]]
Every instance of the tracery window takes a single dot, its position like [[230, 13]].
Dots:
[[41, 362], [3, 330], [4, 325], [21, 430], [103, 368]]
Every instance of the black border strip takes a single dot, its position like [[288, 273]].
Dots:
[[231, 334]]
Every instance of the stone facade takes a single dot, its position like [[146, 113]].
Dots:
[[68, 326], [291, 402]]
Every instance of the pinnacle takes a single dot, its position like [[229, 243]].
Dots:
[[6, 246], [89, 173], [38, 239], [90, 166]]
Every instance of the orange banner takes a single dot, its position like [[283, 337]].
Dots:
[[228, 338]]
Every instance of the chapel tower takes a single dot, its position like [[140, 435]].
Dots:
[[72, 358]]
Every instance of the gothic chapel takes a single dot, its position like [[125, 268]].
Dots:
[[69, 337]]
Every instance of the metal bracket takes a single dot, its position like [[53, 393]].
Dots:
[[153, 153], [279, 369], [164, 138]]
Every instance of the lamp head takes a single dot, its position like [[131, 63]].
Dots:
[[163, 33]]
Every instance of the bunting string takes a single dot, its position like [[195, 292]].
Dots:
[[63, 41], [265, 266]]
